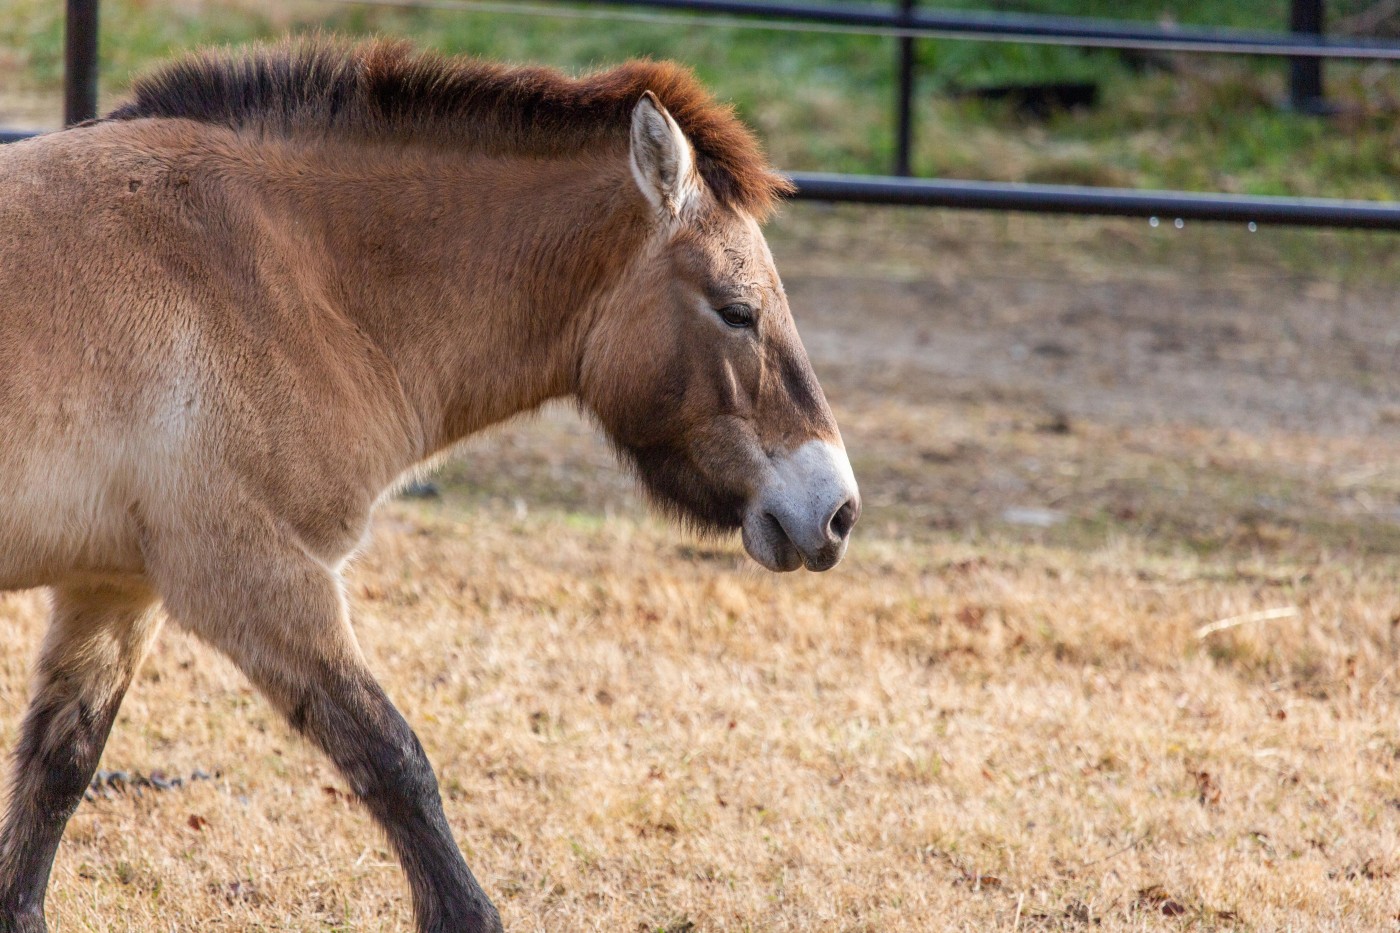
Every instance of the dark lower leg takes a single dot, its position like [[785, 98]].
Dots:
[[352, 720], [96, 638], [58, 751], [284, 622]]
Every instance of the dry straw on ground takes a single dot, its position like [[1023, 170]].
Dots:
[[970, 725]]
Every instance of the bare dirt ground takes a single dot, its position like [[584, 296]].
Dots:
[[1115, 647]]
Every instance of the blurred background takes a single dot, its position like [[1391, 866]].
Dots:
[[825, 101], [1085, 320]]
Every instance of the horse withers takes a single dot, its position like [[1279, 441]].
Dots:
[[240, 308]]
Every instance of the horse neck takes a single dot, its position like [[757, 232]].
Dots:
[[474, 275]]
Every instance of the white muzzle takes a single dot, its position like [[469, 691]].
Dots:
[[804, 511]]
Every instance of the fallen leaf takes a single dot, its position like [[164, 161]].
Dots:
[[338, 795], [1155, 897], [971, 617], [1207, 789], [978, 881]]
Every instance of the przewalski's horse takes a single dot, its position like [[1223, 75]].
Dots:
[[237, 310]]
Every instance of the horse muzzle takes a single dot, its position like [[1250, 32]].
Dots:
[[804, 511]]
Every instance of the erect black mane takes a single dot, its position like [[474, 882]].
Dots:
[[388, 89]]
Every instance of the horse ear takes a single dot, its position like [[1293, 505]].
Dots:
[[662, 161]]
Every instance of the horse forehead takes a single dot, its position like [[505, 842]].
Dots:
[[738, 252]]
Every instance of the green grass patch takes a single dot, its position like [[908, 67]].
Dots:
[[824, 102]]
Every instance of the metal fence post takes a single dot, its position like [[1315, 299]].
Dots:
[[80, 62], [904, 103], [1305, 92]]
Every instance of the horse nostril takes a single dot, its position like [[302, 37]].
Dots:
[[845, 518]]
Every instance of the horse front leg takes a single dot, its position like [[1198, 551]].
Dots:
[[347, 714], [97, 637], [284, 622]]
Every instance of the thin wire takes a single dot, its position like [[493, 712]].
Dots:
[[723, 20]]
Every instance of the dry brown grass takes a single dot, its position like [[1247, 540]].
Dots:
[[970, 725]]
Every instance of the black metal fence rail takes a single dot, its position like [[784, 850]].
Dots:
[[1166, 206], [1305, 49]]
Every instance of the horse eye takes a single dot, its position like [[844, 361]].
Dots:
[[737, 315]]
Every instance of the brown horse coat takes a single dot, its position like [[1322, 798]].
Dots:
[[237, 311]]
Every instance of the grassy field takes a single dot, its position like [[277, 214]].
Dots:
[[824, 102], [1114, 648]]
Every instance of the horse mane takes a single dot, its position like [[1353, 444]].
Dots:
[[388, 89]]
